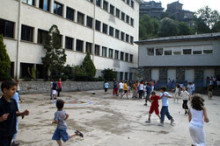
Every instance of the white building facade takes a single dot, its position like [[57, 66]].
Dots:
[[106, 28]]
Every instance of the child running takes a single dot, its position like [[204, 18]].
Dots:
[[197, 114], [177, 93], [60, 118], [154, 105], [164, 110], [185, 95]]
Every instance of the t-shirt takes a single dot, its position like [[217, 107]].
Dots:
[[125, 86], [59, 84], [165, 99], [148, 88], [121, 85], [106, 85], [8, 127], [155, 100], [59, 116], [115, 85], [54, 87], [184, 95], [141, 87]]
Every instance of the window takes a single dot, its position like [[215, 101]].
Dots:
[[24, 69], [168, 52], [132, 3], [111, 31], [187, 51], [112, 10], [126, 57], [69, 43], [150, 51], [58, 9], [79, 45], [39, 72], [122, 56], [30, 2], [27, 33], [104, 51], [132, 22], [98, 3], [89, 22], [127, 19], [207, 51], [105, 5], [97, 25], [70, 13], [197, 52], [127, 38], [123, 16], [90, 1], [110, 53], [7, 28], [42, 36], [121, 75], [80, 18], [89, 47], [105, 28], [176, 52], [45, 5], [97, 50], [131, 58], [128, 2], [116, 54], [118, 13], [117, 33], [131, 40], [159, 52], [122, 36]]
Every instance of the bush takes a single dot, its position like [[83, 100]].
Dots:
[[109, 74]]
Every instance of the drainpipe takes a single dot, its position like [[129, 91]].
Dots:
[[93, 40], [17, 69]]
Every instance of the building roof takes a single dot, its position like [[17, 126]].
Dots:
[[180, 38]]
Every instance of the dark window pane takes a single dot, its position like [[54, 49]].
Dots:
[[27, 33], [122, 56], [69, 43], [45, 5], [39, 71], [42, 36], [30, 2], [112, 9], [110, 54], [132, 3], [127, 38], [90, 1], [80, 18], [7, 28], [89, 21], [123, 16], [132, 22], [122, 36], [97, 50], [207, 51], [79, 45], [111, 31], [127, 19], [118, 13], [89, 47], [58, 9], [168, 52], [126, 57], [197, 52], [98, 3], [97, 25], [159, 51], [116, 54], [187, 51], [105, 28], [117, 34], [70, 13], [150, 51], [105, 5], [104, 51], [131, 40], [131, 58]]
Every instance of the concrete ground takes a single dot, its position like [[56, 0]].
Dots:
[[106, 120]]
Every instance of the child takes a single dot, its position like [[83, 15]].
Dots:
[[154, 105], [185, 95], [121, 86], [125, 88], [148, 90], [60, 118], [106, 85], [177, 92], [115, 88], [134, 90], [197, 114], [8, 112], [164, 110], [54, 90], [210, 90]]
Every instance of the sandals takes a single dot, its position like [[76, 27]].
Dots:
[[78, 133]]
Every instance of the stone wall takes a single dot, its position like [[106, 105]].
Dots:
[[42, 86]]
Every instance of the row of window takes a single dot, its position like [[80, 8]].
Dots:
[[129, 2], [70, 15], [161, 51], [114, 11]]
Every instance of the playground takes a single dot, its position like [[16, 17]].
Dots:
[[107, 120]]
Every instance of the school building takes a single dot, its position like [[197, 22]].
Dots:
[[190, 58], [106, 28]]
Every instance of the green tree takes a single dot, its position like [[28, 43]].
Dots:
[[216, 27], [201, 27], [208, 16], [88, 66], [109, 74], [168, 28], [5, 63], [55, 56], [184, 29]]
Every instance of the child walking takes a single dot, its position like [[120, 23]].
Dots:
[[177, 92], [154, 105], [164, 110], [60, 118], [197, 114], [185, 95], [210, 90]]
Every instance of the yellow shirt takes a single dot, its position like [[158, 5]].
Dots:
[[125, 86]]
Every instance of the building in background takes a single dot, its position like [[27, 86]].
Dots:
[[151, 8], [106, 28], [190, 58]]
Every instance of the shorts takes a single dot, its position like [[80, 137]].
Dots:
[[54, 92], [120, 90], [154, 108], [125, 91], [60, 133], [184, 105]]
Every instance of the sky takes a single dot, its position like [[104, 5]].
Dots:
[[193, 5]]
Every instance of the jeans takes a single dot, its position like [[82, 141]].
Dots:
[[164, 111]]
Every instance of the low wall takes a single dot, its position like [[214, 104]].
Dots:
[[44, 86]]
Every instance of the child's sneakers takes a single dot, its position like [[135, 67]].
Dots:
[[78, 133], [172, 122], [148, 121]]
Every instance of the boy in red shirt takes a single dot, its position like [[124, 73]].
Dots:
[[154, 105]]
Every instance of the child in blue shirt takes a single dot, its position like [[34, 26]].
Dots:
[[164, 110], [60, 118]]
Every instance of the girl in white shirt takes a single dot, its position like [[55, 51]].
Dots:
[[197, 116], [185, 95]]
